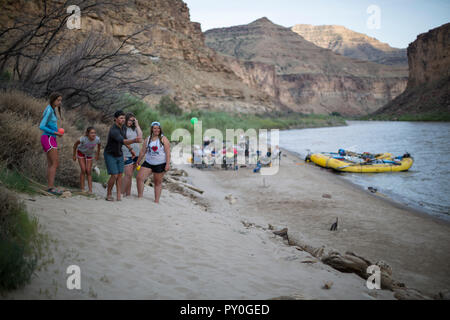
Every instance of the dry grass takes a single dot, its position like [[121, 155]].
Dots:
[[88, 118], [20, 116]]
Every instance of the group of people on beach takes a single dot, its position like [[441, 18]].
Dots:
[[123, 152]]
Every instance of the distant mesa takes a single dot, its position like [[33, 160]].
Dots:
[[352, 44]]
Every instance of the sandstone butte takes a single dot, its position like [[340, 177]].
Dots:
[[428, 89]]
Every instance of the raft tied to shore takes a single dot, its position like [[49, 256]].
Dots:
[[348, 161]]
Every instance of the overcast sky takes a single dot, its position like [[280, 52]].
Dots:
[[400, 21]]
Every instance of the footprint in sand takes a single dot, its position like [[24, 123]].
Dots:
[[113, 251], [80, 245], [164, 279], [128, 266], [192, 278], [184, 290]]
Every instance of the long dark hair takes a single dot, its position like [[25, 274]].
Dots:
[[127, 117], [53, 96], [161, 134]]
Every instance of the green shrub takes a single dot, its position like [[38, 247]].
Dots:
[[15, 181], [102, 178], [5, 76], [168, 106], [143, 112], [223, 120], [19, 243]]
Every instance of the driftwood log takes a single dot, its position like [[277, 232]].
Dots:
[[189, 186], [352, 263]]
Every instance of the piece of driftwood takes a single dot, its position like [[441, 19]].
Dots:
[[189, 186], [282, 233], [45, 193], [353, 263], [35, 182], [40, 186], [148, 182], [347, 263], [178, 172]]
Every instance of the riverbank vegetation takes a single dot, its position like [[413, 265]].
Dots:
[[221, 120], [22, 246], [429, 116]]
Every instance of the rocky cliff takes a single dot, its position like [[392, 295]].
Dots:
[[351, 44], [428, 89], [301, 75], [171, 48]]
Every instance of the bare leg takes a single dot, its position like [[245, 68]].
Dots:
[[119, 186], [140, 179], [158, 177], [89, 174], [82, 163], [52, 165], [126, 185], [128, 190], [112, 180]]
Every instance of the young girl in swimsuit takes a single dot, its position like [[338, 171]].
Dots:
[[84, 150]]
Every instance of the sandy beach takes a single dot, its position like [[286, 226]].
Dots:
[[205, 247], [416, 245]]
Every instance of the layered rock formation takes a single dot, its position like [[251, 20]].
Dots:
[[428, 89], [303, 76], [351, 44], [170, 47]]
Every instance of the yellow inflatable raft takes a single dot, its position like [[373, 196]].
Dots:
[[383, 162]]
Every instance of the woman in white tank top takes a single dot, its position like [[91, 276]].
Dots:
[[156, 150]]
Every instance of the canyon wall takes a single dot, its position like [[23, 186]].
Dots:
[[428, 89], [169, 46], [302, 76]]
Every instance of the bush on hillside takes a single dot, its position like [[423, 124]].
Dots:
[[168, 106], [19, 243], [20, 116]]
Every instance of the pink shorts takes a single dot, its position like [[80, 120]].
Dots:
[[48, 143]]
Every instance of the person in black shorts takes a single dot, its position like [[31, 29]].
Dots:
[[156, 151]]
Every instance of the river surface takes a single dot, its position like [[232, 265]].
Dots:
[[425, 186]]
